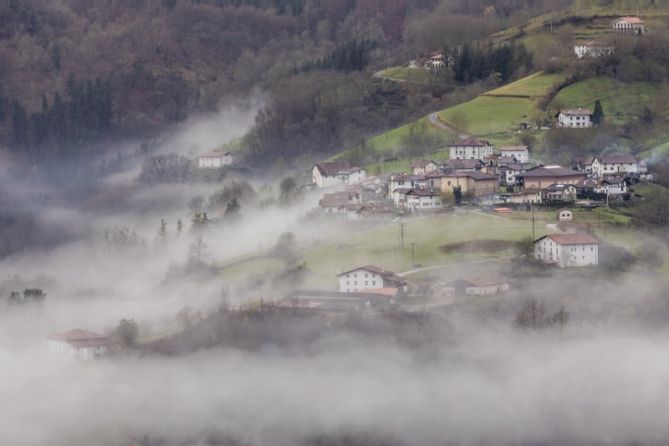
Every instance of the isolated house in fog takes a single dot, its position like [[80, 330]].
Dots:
[[80, 344], [567, 250], [215, 160], [370, 277]]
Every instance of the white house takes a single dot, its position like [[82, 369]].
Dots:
[[418, 199], [435, 62], [520, 153], [423, 167], [614, 185], [369, 277], [614, 164], [565, 214], [404, 181], [559, 192], [470, 148], [80, 344], [630, 24], [592, 48], [567, 250], [575, 118], [215, 160], [337, 173]]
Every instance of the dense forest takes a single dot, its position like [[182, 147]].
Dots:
[[75, 72]]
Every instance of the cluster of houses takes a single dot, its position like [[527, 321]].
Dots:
[[476, 172], [596, 48]]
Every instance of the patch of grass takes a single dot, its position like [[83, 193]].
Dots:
[[411, 75], [486, 115]]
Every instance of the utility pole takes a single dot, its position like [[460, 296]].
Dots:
[[402, 235], [413, 254], [533, 236]]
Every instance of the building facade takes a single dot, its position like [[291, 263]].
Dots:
[[567, 250]]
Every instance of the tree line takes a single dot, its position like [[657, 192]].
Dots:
[[352, 55], [479, 62], [83, 115]]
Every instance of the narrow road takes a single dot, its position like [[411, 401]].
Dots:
[[435, 121]]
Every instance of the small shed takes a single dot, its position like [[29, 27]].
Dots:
[[565, 214]]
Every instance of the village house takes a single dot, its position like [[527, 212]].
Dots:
[[520, 154], [79, 344], [337, 173], [609, 186], [335, 202], [376, 210], [556, 193], [461, 165], [592, 48], [366, 278], [470, 148], [574, 118], [524, 196], [423, 167], [418, 199], [630, 24], [509, 171], [614, 164], [565, 214], [541, 177], [404, 181], [567, 250], [215, 160], [471, 183]]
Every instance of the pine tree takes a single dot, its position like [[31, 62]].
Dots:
[[598, 113]]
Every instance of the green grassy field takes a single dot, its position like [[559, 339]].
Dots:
[[621, 101], [414, 75], [532, 86], [487, 115]]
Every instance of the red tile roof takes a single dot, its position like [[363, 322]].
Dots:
[[81, 338]]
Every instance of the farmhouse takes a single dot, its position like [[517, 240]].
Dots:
[[368, 278], [79, 344], [567, 250], [592, 48], [630, 24], [435, 62], [565, 214], [337, 173], [423, 167], [472, 183], [520, 154], [575, 118], [614, 164], [541, 177], [470, 148], [215, 160]]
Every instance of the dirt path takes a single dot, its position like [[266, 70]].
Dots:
[[437, 122]]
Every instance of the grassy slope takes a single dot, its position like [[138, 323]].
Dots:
[[621, 101]]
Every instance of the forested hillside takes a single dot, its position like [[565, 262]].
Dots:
[[75, 72]]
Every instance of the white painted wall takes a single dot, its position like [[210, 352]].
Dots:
[[470, 152], [359, 280], [566, 256]]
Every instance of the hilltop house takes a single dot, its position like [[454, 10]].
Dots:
[[471, 183], [367, 278], [630, 24], [80, 344], [215, 160], [337, 173], [592, 48], [470, 148], [614, 164], [574, 118], [520, 154], [423, 167], [567, 250], [541, 177]]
